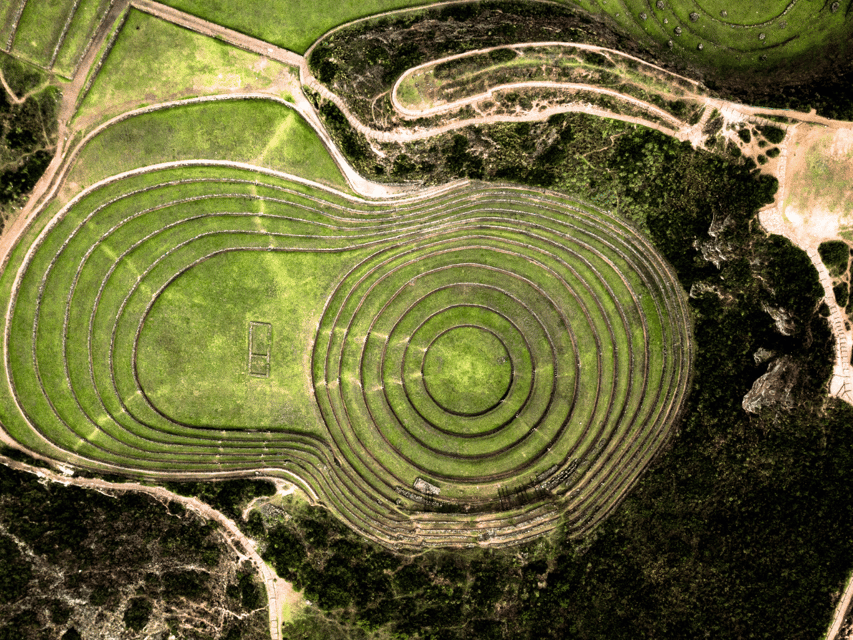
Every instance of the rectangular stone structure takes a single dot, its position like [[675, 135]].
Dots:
[[260, 348]]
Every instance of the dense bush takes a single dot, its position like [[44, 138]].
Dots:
[[841, 293], [227, 496], [774, 135], [138, 613], [835, 255]]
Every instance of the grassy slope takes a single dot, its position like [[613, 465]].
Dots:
[[176, 63], [296, 25], [269, 135], [39, 29], [89, 14], [292, 24]]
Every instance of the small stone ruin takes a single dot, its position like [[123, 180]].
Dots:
[[425, 487]]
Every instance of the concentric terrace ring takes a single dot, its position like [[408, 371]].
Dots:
[[491, 355]]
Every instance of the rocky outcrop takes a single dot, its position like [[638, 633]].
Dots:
[[784, 320], [762, 355], [714, 249], [774, 387]]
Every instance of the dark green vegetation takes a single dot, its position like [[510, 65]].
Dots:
[[782, 54], [814, 71], [76, 562], [361, 62], [740, 530], [227, 496], [476, 73], [835, 255], [841, 293], [27, 133]]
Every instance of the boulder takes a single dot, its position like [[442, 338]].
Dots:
[[784, 321], [762, 355], [774, 387]]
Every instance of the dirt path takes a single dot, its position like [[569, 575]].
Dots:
[[11, 94], [841, 611], [279, 591], [214, 30], [807, 230]]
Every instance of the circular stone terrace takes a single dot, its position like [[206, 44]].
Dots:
[[483, 364]]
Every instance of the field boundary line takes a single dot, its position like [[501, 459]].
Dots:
[[64, 32], [17, 20], [211, 29]]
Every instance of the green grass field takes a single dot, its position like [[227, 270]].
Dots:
[[154, 61], [732, 35], [53, 34], [486, 340], [290, 24], [83, 24], [271, 135]]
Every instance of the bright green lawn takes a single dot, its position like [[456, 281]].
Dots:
[[39, 29], [194, 348], [269, 135], [292, 24], [86, 19], [155, 61]]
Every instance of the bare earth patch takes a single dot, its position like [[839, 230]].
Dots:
[[814, 204]]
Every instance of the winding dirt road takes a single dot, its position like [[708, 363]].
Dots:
[[66, 152]]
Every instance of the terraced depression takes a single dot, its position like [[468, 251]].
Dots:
[[460, 368]]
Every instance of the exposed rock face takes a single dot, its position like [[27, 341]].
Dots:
[[784, 322], [714, 249], [774, 387], [762, 355], [699, 288]]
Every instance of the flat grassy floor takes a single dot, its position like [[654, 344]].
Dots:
[[467, 370], [193, 351], [154, 61], [269, 135]]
